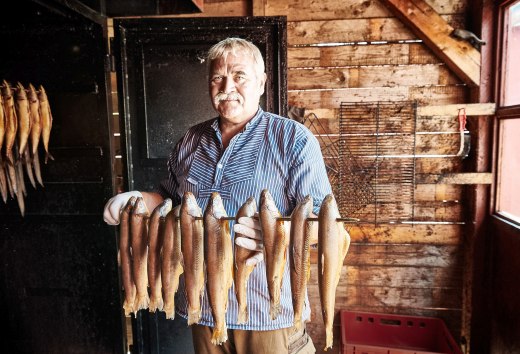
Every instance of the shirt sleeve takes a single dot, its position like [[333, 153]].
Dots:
[[168, 187], [307, 173]]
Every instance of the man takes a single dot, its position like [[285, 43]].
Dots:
[[238, 154]]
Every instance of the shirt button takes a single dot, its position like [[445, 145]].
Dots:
[[219, 165]]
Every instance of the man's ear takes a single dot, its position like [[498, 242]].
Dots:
[[262, 80]]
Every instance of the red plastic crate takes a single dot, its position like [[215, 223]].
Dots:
[[377, 333]]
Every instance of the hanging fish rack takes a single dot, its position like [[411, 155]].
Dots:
[[376, 161]]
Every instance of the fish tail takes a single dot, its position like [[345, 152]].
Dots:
[[243, 315], [328, 343], [274, 309], [297, 323], [129, 308], [219, 335], [153, 305], [141, 302], [169, 309], [48, 156], [193, 316]]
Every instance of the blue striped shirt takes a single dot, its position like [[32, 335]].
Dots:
[[270, 152]]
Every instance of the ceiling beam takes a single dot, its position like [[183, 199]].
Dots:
[[459, 55]]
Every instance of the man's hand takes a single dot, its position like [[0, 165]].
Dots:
[[249, 235], [113, 207]]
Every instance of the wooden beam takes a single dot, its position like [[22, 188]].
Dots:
[[455, 178], [259, 7], [472, 109], [459, 55]]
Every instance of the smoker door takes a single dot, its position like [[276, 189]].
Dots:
[[163, 90]]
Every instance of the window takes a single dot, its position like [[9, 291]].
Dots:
[[507, 201]]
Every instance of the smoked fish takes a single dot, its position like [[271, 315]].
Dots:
[[3, 183], [11, 124], [275, 249], [155, 234], [24, 119], [126, 257], [171, 261], [242, 271], [218, 253], [37, 170], [36, 127], [192, 246], [333, 244], [2, 126], [46, 121], [299, 256], [139, 243]]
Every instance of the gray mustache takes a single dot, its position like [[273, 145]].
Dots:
[[233, 96]]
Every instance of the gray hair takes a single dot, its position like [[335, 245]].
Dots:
[[234, 46]]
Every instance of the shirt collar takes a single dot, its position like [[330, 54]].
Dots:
[[252, 122]]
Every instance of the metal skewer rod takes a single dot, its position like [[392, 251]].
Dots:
[[287, 218]]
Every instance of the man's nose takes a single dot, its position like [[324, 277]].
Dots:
[[228, 85]]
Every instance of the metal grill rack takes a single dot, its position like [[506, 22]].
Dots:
[[376, 169]]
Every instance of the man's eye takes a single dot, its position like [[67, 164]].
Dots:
[[216, 78]]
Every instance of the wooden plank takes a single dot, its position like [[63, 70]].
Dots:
[[411, 255], [438, 165], [428, 25], [471, 109], [432, 234], [456, 178], [368, 76], [438, 192], [302, 10], [222, 8], [352, 30], [368, 54], [259, 7], [329, 99]]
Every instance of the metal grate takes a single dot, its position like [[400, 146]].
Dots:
[[376, 169]]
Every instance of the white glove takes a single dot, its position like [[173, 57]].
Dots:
[[115, 205], [249, 235]]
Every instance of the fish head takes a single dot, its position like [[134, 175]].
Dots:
[[20, 92], [6, 90], [216, 206], [31, 94], [190, 206], [267, 203], [165, 207], [130, 203], [247, 209], [140, 207], [329, 206]]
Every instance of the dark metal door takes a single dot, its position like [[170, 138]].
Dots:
[[163, 90]]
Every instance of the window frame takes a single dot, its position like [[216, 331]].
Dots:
[[502, 112]]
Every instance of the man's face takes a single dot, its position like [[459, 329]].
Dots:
[[234, 88]]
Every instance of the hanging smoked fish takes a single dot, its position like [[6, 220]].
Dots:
[[11, 123], [24, 119], [46, 121], [171, 261], [218, 254], [333, 244], [242, 269], [155, 237], [139, 243]]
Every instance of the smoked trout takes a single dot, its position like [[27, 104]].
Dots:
[[37, 170], [126, 257], [299, 256], [28, 166], [3, 183], [139, 243], [46, 121], [333, 244], [24, 119], [171, 262], [192, 245], [218, 253], [242, 270], [11, 123], [2, 126], [275, 249], [36, 127], [155, 242]]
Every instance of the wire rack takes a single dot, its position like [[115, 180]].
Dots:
[[376, 161]]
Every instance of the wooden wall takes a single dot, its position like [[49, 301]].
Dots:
[[357, 51]]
